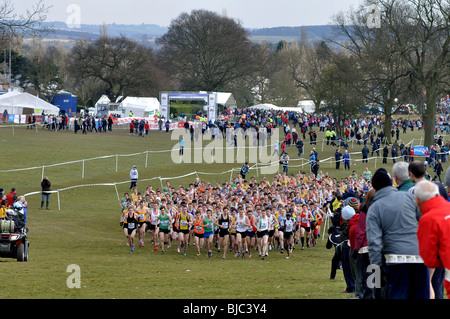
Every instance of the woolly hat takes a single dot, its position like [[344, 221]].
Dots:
[[352, 202], [381, 179], [347, 212]]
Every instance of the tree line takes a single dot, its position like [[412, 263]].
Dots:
[[384, 53]]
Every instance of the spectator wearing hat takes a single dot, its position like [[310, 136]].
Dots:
[[347, 213], [353, 202], [392, 240], [434, 230], [134, 175], [361, 247]]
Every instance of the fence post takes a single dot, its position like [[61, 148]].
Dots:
[[59, 203], [117, 161], [42, 172], [82, 171], [146, 158]]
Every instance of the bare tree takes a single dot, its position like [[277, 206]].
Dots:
[[306, 63], [339, 80], [421, 34], [384, 71], [29, 23], [205, 51], [124, 66]]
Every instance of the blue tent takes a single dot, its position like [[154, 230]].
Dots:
[[67, 102]]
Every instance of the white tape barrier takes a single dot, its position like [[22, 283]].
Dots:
[[126, 182], [42, 167]]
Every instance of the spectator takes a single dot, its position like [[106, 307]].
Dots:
[[134, 175], [45, 185], [438, 170], [181, 142], [337, 157], [299, 146], [400, 176], [346, 158], [417, 173], [392, 231], [11, 197], [385, 154], [347, 213], [434, 229], [361, 247], [285, 162], [394, 154], [365, 154], [244, 170]]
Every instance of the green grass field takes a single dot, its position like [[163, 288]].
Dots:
[[86, 231]]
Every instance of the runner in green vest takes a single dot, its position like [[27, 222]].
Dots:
[[208, 221], [165, 222]]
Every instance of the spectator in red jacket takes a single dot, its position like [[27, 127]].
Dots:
[[11, 197], [147, 128], [361, 247], [131, 128], [433, 232]]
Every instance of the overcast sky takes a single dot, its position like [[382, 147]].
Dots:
[[252, 13]]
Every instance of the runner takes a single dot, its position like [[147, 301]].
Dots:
[[281, 218], [165, 223], [305, 225], [142, 212], [287, 227], [262, 230], [198, 231], [241, 225], [184, 225], [273, 227], [153, 226], [223, 223], [208, 222], [233, 234], [132, 224], [251, 234]]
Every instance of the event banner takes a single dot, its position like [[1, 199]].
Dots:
[[419, 150], [212, 105], [165, 105]]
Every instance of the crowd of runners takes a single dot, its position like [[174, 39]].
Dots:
[[239, 217]]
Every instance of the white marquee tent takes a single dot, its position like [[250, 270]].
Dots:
[[140, 106], [16, 102]]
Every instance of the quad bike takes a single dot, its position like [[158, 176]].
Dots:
[[13, 242]]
